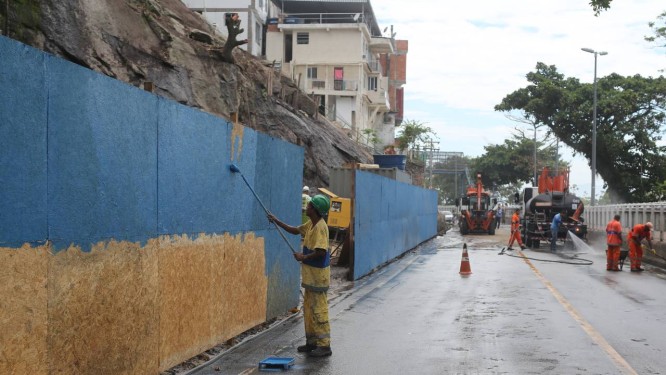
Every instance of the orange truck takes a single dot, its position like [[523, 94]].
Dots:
[[477, 214]]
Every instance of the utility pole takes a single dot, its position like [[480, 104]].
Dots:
[[432, 155]]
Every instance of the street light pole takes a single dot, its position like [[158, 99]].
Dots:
[[594, 121]]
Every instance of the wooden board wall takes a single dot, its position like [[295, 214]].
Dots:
[[123, 308]]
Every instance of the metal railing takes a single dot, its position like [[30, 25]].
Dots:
[[323, 18], [597, 217]]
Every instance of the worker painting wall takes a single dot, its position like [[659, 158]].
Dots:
[[390, 218], [126, 243]]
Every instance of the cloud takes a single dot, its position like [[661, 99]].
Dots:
[[464, 58]]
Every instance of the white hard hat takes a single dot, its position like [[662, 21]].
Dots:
[[305, 188], [648, 224]]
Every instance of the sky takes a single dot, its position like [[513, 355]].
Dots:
[[464, 57]]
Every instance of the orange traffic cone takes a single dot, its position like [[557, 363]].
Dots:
[[465, 269]]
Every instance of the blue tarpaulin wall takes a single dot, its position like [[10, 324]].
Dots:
[[85, 158], [390, 218]]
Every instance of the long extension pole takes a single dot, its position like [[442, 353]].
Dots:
[[235, 169]]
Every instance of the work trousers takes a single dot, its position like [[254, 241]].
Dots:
[[315, 316], [613, 258], [635, 254], [515, 236], [553, 240]]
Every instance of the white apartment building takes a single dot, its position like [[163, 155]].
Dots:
[[331, 49], [252, 13]]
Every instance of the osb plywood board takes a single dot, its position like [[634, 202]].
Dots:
[[201, 282], [184, 295], [23, 312], [102, 310], [241, 287]]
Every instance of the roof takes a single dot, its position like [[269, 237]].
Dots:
[[333, 6]]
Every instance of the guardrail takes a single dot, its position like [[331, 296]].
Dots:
[[597, 217]]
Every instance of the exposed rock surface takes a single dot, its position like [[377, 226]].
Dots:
[[165, 43]]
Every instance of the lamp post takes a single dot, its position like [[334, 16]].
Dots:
[[594, 120]]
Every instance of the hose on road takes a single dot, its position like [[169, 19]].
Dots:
[[573, 260]]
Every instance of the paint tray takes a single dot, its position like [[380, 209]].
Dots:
[[276, 364]]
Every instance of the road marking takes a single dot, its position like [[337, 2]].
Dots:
[[620, 362]]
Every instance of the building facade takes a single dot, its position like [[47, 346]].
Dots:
[[333, 51], [252, 13]]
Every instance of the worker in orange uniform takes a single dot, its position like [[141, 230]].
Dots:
[[614, 241], [639, 233], [315, 276], [515, 230]]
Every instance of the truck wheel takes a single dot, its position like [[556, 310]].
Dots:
[[536, 244], [463, 228], [528, 241], [491, 229]]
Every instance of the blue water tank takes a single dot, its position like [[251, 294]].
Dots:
[[390, 161]]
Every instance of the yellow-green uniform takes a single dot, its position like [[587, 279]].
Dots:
[[305, 199], [315, 279]]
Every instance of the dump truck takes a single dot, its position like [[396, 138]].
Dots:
[[476, 210], [540, 204]]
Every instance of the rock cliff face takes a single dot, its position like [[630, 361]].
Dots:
[[165, 43]]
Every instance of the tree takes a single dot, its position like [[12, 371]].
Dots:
[[451, 181], [600, 5], [232, 22], [631, 112], [412, 134], [658, 31], [510, 163]]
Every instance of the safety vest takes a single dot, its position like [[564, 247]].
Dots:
[[639, 232], [515, 221], [614, 233]]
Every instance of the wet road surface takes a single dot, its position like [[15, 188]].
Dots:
[[513, 315]]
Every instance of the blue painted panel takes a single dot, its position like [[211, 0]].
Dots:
[[102, 158], [278, 181], [23, 202], [391, 218], [193, 171], [240, 201]]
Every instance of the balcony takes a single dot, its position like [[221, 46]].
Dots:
[[344, 85], [378, 97], [317, 84], [374, 65], [381, 45]]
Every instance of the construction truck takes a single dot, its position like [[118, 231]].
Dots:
[[477, 214], [540, 204]]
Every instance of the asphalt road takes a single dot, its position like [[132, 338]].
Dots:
[[513, 315]]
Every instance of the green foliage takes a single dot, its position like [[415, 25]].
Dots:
[[21, 17], [512, 163], [412, 134], [600, 5], [631, 113], [452, 184], [658, 31], [371, 135]]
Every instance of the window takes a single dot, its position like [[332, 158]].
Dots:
[[257, 32], [302, 38], [312, 72], [372, 83], [338, 77]]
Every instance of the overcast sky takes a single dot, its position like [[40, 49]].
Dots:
[[464, 57]]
